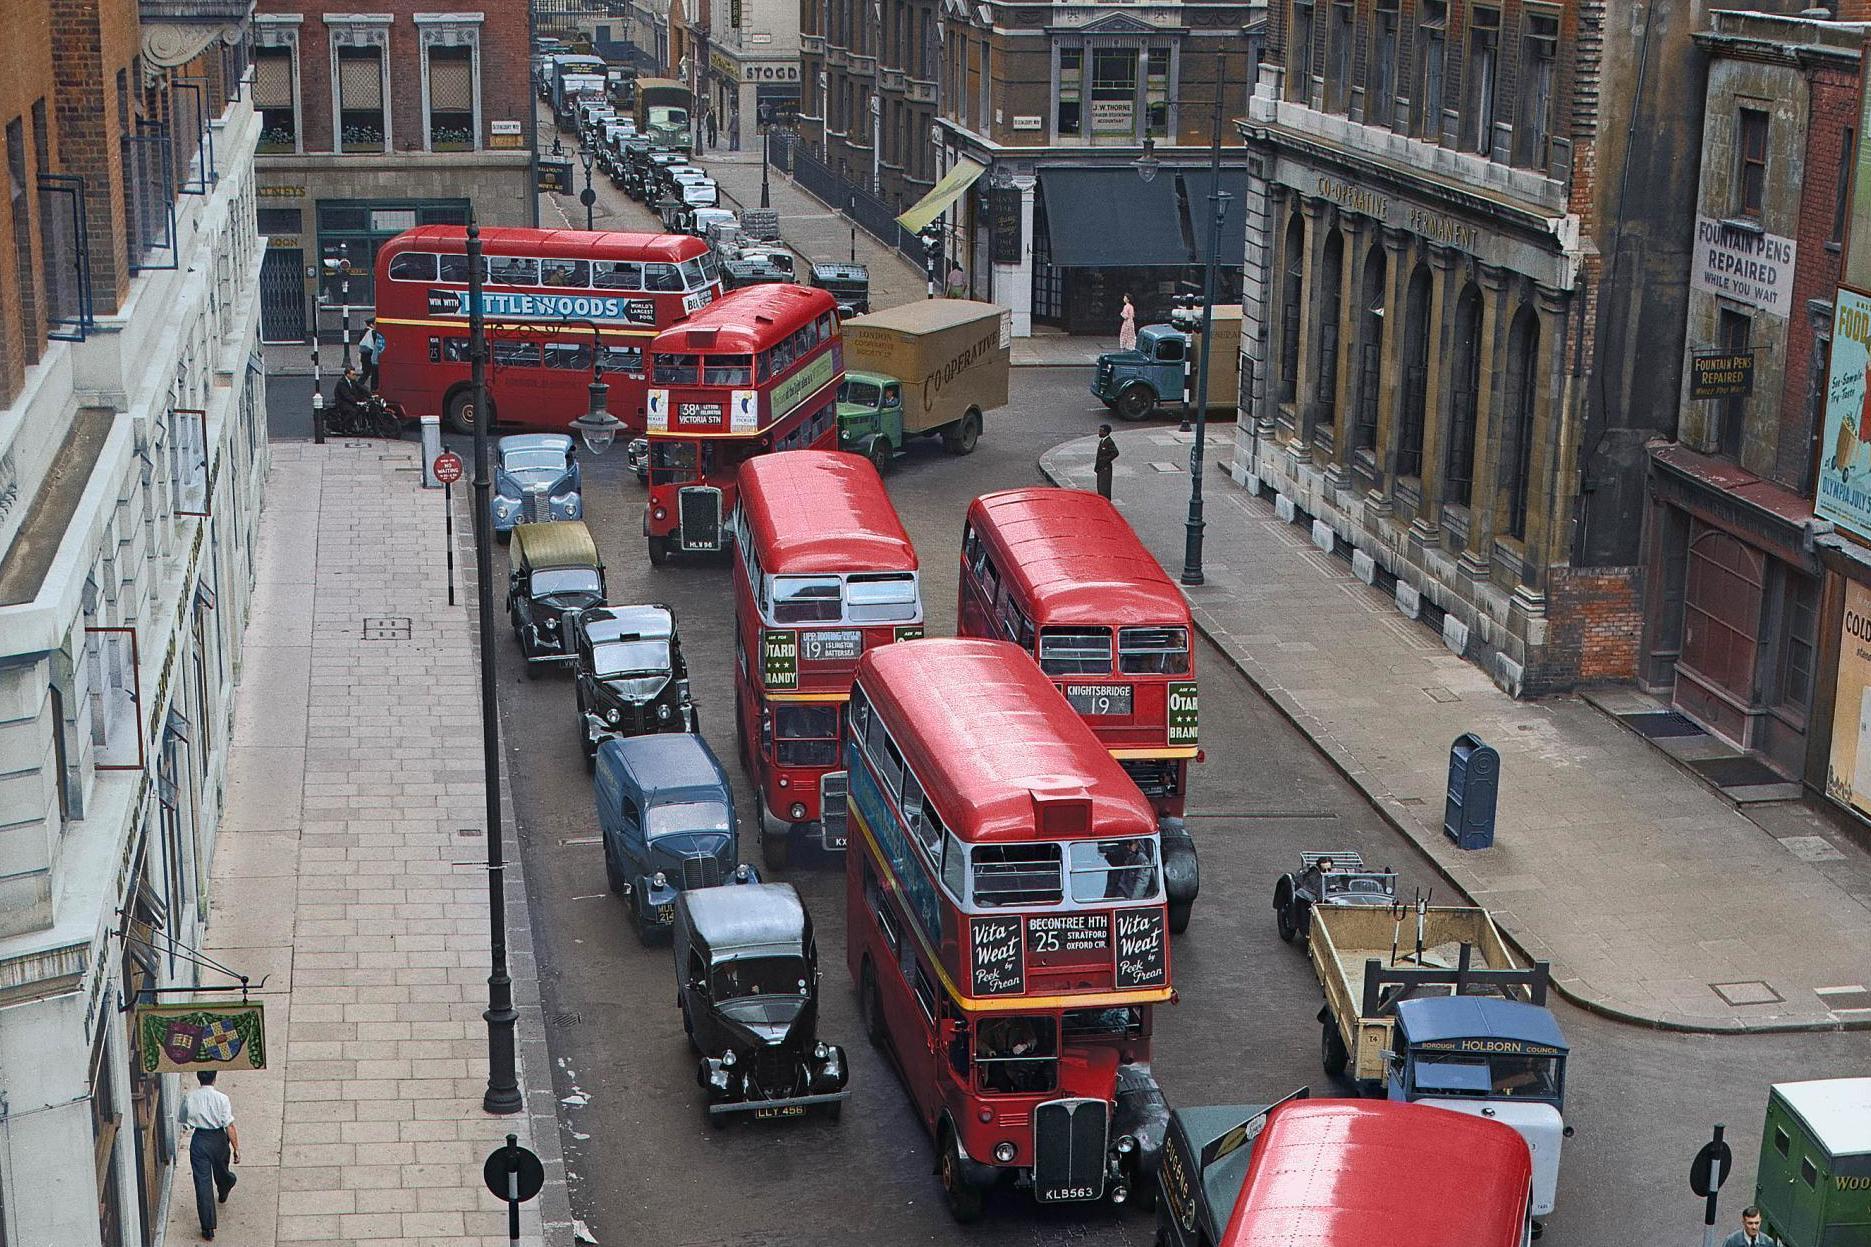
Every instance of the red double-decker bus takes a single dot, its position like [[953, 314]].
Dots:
[[825, 574], [1006, 922], [755, 371], [1061, 574], [551, 298]]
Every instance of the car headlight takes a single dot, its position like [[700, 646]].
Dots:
[[505, 506], [612, 717], [728, 1057], [1004, 1152], [662, 712], [820, 1051], [798, 810], [659, 880]]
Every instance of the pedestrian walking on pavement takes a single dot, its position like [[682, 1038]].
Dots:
[[1127, 327], [370, 352], [1750, 1233], [1107, 455], [957, 282], [714, 133], [213, 1145]]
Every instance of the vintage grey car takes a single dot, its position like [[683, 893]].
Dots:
[[536, 481], [630, 674], [747, 982], [1339, 878]]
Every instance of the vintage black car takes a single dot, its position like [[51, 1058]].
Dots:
[[555, 572], [1204, 1164], [850, 284], [747, 982], [630, 674], [1339, 878]]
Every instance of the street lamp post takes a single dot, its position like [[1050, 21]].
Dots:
[[766, 162], [587, 197], [1146, 169]]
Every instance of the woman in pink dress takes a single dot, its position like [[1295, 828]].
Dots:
[[1127, 329]]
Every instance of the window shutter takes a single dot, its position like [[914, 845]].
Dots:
[[451, 83], [272, 80], [360, 81]]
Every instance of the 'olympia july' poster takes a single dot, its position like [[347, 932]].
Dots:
[[1845, 443]]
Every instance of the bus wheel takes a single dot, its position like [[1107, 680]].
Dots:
[[964, 1201], [460, 414], [1332, 1054], [659, 551], [870, 1010], [1135, 401], [1179, 916], [775, 848]]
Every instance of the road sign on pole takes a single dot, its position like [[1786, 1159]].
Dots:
[[513, 1173], [448, 467], [1706, 1174]]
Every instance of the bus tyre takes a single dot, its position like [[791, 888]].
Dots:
[[964, 1201], [960, 438], [1179, 916], [1135, 401], [460, 414], [775, 848], [659, 551], [1332, 1054], [870, 1008]]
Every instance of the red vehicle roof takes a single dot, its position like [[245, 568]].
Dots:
[[1076, 560], [576, 244], [986, 732], [1370, 1173], [744, 321], [822, 511]]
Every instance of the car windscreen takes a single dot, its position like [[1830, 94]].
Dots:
[[564, 580], [759, 976], [862, 393], [663, 820], [881, 597], [629, 657], [533, 461]]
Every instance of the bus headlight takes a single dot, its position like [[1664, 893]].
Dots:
[[1126, 1144], [798, 810], [659, 514], [1004, 1152]]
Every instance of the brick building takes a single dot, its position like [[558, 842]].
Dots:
[[1459, 277], [1733, 582], [1039, 114], [376, 121], [132, 457]]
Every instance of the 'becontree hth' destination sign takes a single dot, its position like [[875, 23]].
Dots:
[[515, 305], [1738, 263]]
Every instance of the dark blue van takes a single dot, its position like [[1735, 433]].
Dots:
[[667, 817]]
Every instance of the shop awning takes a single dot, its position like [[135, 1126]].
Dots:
[[1111, 218], [941, 195], [1197, 186]]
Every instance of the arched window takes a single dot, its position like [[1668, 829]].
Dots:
[[1415, 374], [1464, 397], [1331, 286], [1523, 352], [1292, 298], [1370, 347]]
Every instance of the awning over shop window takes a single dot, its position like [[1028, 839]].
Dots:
[[1196, 185], [1111, 218], [941, 195]]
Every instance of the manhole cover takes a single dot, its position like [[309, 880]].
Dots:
[[1662, 724], [1753, 992], [573, 1018], [1812, 848], [386, 627], [1441, 694]]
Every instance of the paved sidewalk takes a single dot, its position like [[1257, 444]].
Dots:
[[349, 872], [1653, 897]]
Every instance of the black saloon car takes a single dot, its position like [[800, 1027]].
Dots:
[[630, 674]]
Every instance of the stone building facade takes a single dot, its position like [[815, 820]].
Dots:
[[753, 68], [376, 121], [1460, 277], [1733, 581], [867, 91], [132, 461]]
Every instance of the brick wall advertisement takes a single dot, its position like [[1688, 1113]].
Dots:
[[1848, 771], [1845, 440]]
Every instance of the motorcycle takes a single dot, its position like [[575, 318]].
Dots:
[[375, 418]]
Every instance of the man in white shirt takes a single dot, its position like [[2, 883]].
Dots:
[[210, 1115]]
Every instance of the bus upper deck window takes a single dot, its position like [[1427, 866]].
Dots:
[[662, 277], [1064, 651], [728, 370], [806, 599], [881, 596], [1153, 651], [414, 266], [677, 369], [617, 275]]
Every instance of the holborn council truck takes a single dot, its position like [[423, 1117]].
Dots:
[[925, 369]]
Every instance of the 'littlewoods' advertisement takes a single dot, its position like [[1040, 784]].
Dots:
[[1845, 441]]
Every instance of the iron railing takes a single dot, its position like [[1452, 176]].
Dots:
[[787, 153]]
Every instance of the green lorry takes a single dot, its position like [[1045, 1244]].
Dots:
[[925, 369]]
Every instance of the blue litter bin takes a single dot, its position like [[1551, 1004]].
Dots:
[[1474, 787]]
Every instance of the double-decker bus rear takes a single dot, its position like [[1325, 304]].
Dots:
[[1006, 922], [559, 305], [756, 371], [825, 574]]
